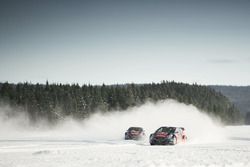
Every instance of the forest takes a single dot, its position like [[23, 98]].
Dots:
[[57, 101]]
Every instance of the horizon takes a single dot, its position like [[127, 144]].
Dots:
[[58, 83]]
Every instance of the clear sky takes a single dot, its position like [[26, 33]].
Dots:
[[140, 41]]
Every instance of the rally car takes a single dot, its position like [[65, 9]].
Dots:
[[134, 133], [168, 136]]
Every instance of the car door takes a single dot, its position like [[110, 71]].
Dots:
[[178, 134]]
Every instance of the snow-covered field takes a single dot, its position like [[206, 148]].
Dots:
[[34, 153], [99, 141]]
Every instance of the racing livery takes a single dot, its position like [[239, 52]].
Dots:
[[168, 136], [134, 133]]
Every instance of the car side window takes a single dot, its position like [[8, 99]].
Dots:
[[178, 131], [159, 130]]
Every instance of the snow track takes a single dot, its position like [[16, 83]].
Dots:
[[99, 140], [234, 152]]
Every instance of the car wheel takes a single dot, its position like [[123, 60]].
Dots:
[[151, 142], [175, 141], [184, 138]]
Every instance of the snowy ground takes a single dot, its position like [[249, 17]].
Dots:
[[235, 151], [98, 141]]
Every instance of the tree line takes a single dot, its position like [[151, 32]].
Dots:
[[56, 101]]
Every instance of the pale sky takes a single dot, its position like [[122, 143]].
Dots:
[[139, 41]]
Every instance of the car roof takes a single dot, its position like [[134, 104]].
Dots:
[[167, 127], [173, 127], [134, 127]]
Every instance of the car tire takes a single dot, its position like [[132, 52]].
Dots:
[[175, 140], [184, 138]]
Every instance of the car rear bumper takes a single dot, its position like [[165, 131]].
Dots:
[[162, 141], [133, 137]]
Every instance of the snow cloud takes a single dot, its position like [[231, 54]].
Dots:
[[110, 127]]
